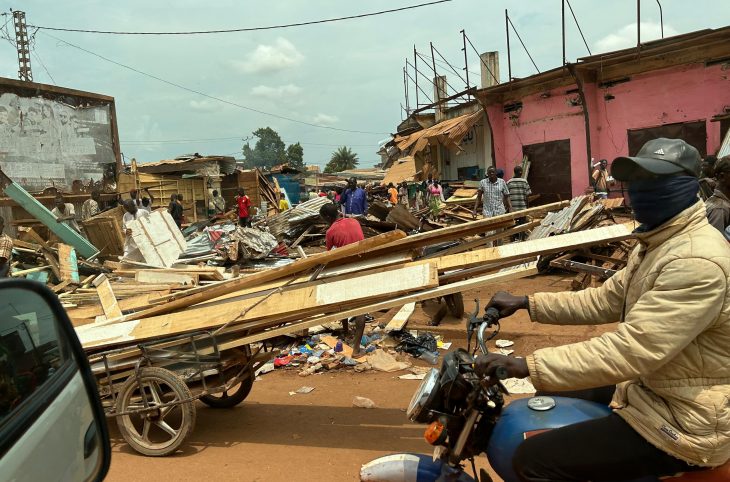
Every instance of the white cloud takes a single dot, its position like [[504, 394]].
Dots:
[[325, 119], [270, 58], [278, 92], [626, 36], [205, 105]]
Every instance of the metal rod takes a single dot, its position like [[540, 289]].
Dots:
[[562, 20], [638, 23], [480, 58], [405, 89], [419, 88], [433, 63], [449, 65], [415, 68], [466, 61], [661, 17], [509, 52], [523, 45], [578, 25]]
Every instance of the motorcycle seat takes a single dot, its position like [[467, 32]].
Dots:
[[718, 474]]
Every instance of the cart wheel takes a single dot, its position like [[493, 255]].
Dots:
[[158, 432], [455, 303], [235, 395]]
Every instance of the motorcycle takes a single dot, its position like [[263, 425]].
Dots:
[[466, 416]]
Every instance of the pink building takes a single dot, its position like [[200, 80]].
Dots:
[[608, 105]]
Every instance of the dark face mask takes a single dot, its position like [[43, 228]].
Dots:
[[657, 200]]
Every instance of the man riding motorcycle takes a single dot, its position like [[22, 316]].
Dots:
[[669, 358]]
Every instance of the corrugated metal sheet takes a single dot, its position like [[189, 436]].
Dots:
[[725, 147], [449, 133], [227, 165], [404, 169]]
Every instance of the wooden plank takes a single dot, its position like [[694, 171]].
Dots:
[[158, 277], [601, 273], [108, 301], [536, 247], [388, 282], [212, 291], [400, 319], [82, 313], [159, 244], [68, 263], [465, 229], [384, 305], [484, 240], [40, 212], [331, 342]]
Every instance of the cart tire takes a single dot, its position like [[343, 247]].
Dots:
[[161, 432], [455, 303], [231, 398]]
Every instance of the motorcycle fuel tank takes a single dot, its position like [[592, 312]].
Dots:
[[526, 417], [407, 468]]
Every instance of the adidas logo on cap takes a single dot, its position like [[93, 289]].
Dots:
[[659, 152]]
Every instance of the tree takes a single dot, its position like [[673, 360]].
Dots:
[[268, 151], [295, 156], [342, 159]]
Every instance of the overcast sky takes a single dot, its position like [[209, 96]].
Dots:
[[346, 74]]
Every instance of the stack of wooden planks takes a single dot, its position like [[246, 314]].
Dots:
[[379, 273]]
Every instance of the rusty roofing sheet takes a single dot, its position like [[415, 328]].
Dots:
[[448, 132]]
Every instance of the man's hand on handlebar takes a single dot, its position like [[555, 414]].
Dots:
[[507, 304], [486, 365]]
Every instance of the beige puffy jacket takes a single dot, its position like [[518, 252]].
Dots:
[[672, 349]]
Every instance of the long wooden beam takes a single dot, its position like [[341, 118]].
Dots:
[[536, 247], [224, 287], [386, 282]]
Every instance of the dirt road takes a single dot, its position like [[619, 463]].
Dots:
[[274, 436]]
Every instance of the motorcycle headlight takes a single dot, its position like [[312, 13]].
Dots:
[[422, 399]]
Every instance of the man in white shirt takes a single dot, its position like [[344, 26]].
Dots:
[[132, 213], [65, 213]]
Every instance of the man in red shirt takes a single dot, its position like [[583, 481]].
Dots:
[[344, 231], [244, 203]]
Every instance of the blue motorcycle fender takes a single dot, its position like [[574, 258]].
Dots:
[[409, 468]]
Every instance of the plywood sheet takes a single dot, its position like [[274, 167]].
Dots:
[[158, 238]]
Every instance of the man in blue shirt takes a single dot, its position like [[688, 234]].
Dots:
[[354, 200]]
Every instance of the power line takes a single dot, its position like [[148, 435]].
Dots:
[[203, 94], [249, 29], [240, 138], [578, 25], [38, 58]]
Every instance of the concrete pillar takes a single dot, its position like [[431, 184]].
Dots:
[[439, 94], [492, 61]]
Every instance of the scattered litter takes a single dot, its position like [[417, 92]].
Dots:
[[363, 402], [504, 343], [265, 368], [506, 351], [444, 345], [412, 376], [363, 367], [385, 362], [518, 385], [302, 390]]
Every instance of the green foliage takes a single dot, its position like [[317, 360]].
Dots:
[[268, 150], [295, 156], [342, 159]]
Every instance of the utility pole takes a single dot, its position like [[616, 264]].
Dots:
[[638, 23], [562, 15], [23, 46], [415, 71]]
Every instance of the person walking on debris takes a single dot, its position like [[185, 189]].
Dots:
[[341, 232], [666, 367], [718, 205], [132, 213], [6, 250], [216, 205], [403, 194], [600, 180], [244, 205], [283, 203], [175, 209], [707, 178], [392, 194], [493, 194], [354, 199], [65, 213], [519, 190], [90, 207]]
